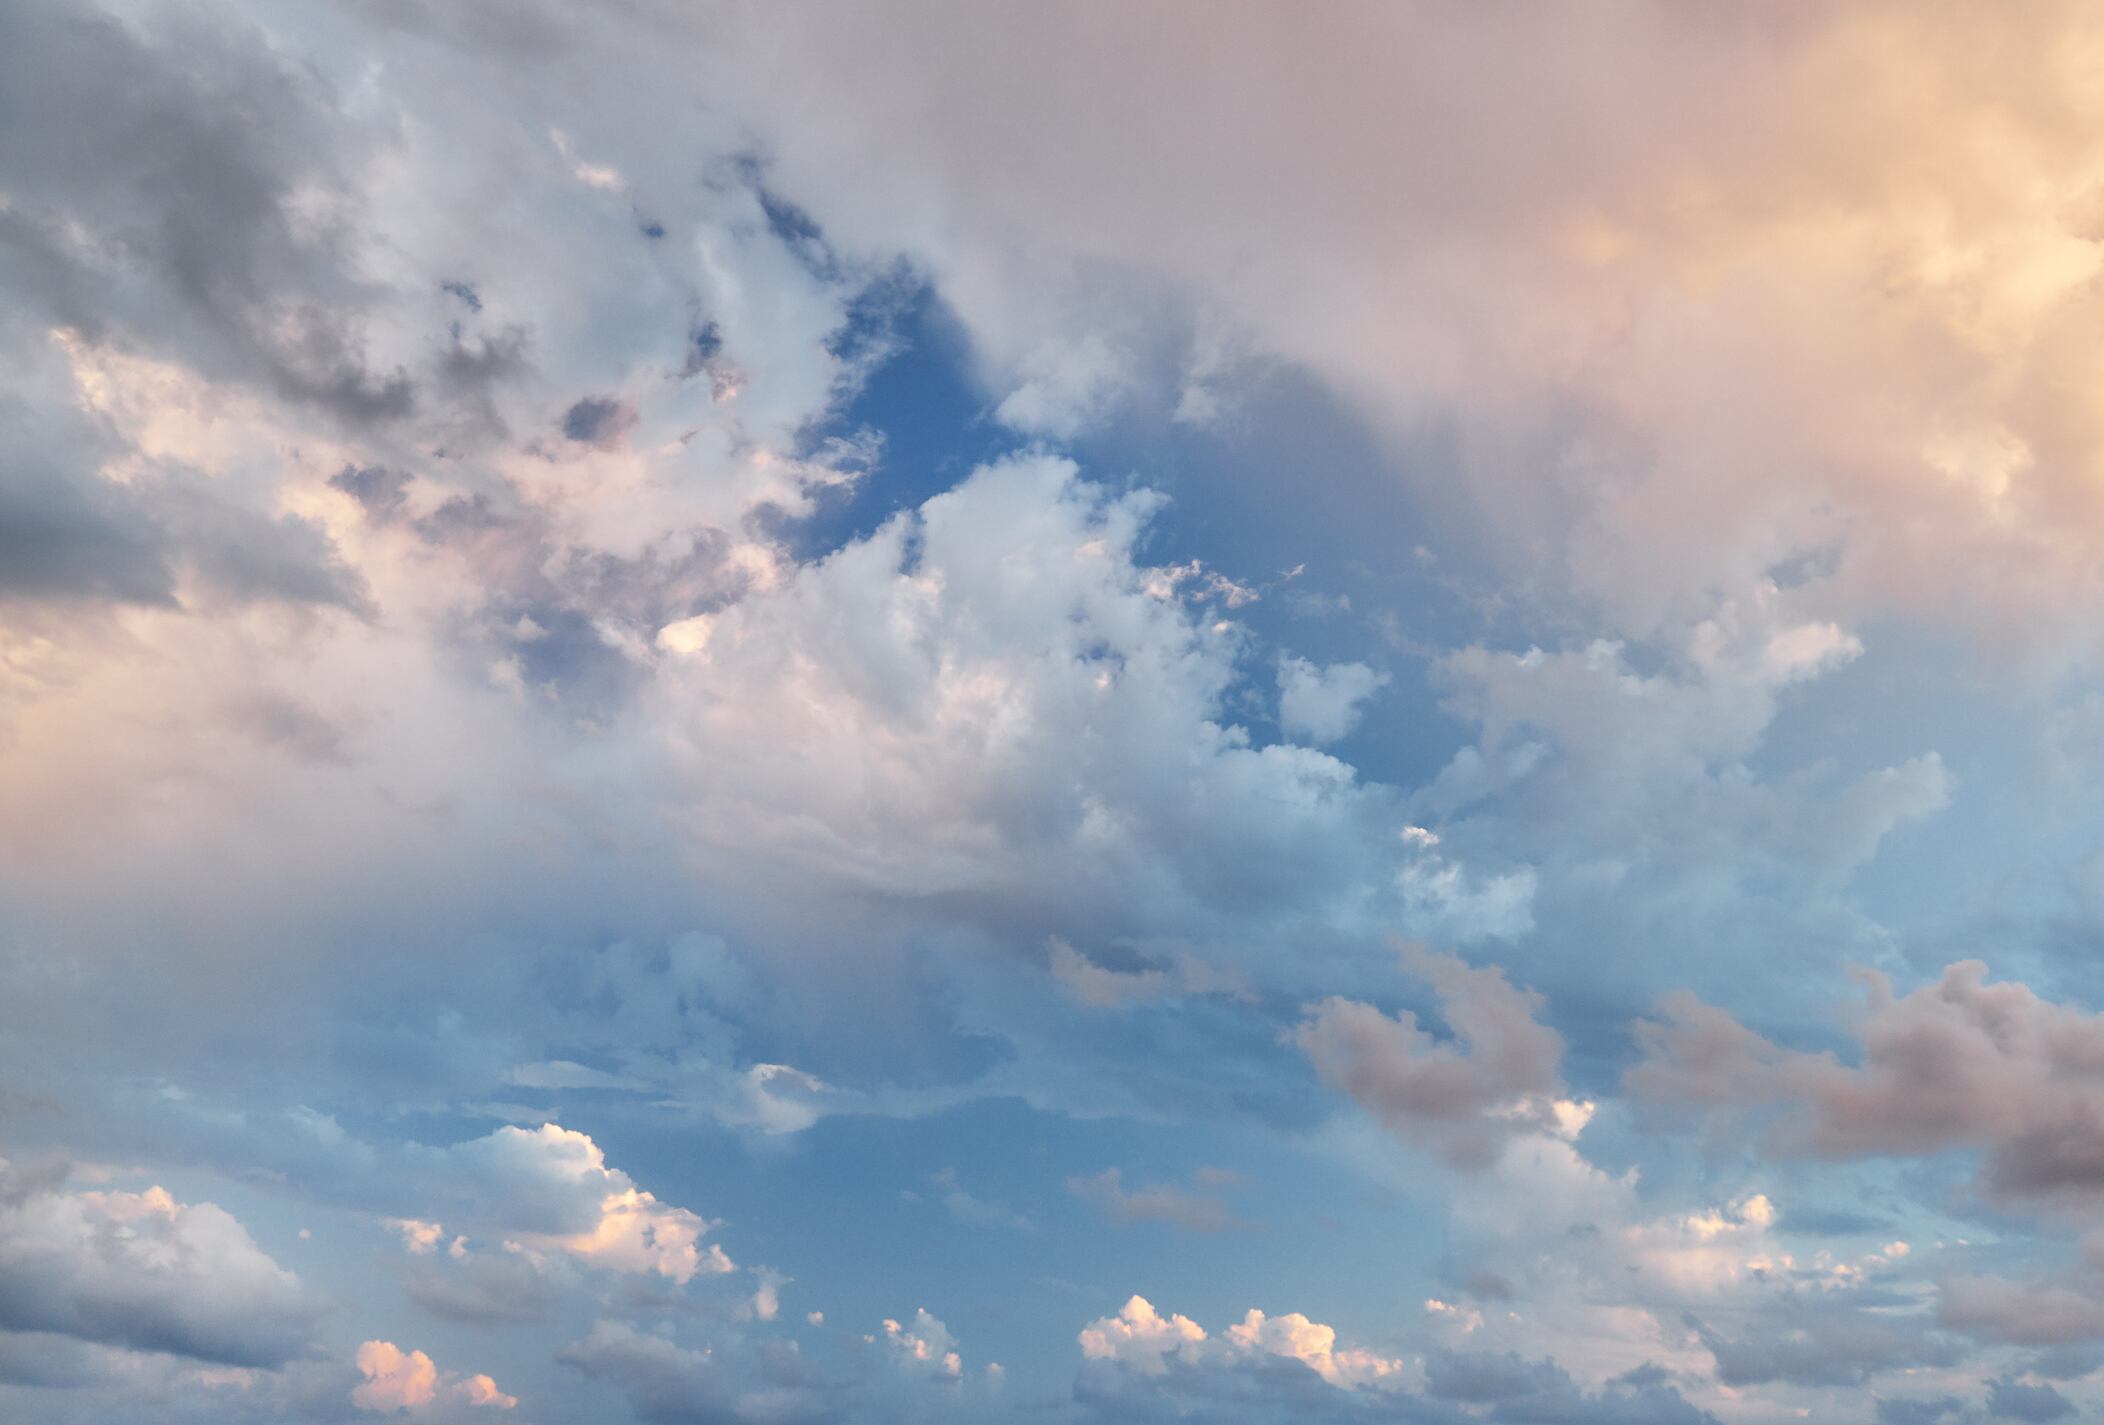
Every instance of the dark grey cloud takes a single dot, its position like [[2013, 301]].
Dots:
[[1483, 1377], [71, 538], [2011, 1399], [487, 1289], [1517, 1389], [155, 174], [1919, 1409], [1812, 1345], [734, 1383], [598, 420], [378, 489], [2073, 1361], [70, 535]]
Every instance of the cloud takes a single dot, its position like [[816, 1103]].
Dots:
[[1321, 704], [668, 1383], [923, 1347], [1824, 1347], [144, 1272], [1066, 388], [1140, 1365], [973, 1211], [398, 1382], [1152, 1202], [2027, 1313], [1496, 1079], [552, 1188], [1960, 1063], [1141, 1338], [2010, 1399]]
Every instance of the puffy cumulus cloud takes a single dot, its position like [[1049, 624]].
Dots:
[[983, 694], [1466, 1098], [1322, 703], [1548, 1255], [1630, 782], [1294, 1337], [1140, 1336], [1140, 1365], [552, 1190], [398, 1381], [1141, 1339], [923, 1347], [419, 1238], [1958, 1064], [1066, 387], [1875, 237], [141, 1271]]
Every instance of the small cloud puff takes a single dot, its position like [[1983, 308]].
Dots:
[[399, 1381], [1321, 704]]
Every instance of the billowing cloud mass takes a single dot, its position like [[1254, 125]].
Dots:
[[142, 1271], [729, 711]]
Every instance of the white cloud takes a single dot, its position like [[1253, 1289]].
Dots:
[[398, 1382], [1141, 1337], [144, 1272], [556, 1194], [924, 1346], [1321, 703]]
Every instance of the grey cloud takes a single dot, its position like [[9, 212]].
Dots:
[[1257, 1389], [1270, 1390], [70, 535], [1152, 1202], [487, 1289], [1520, 1390], [598, 420], [2072, 1361], [2033, 1313], [668, 1384], [1919, 1410], [2010, 1399], [152, 175], [377, 488], [1467, 1098], [740, 1381], [70, 538], [1811, 1346], [278, 720], [246, 556], [1957, 1064], [1484, 1377]]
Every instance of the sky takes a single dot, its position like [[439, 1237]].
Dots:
[[766, 714]]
